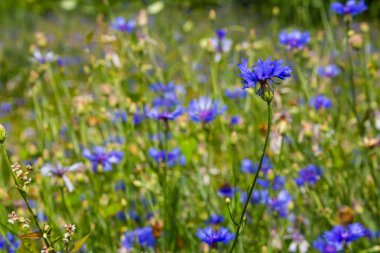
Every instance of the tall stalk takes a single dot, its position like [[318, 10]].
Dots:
[[242, 217]]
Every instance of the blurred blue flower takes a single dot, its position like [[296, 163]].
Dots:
[[215, 219], [280, 204], [205, 109], [213, 237], [327, 247], [352, 7], [265, 167], [221, 44], [119, 116], [320, 101], [39, 57], [164, 113], [172, 158], [11, 244], [143, 236], [329, 71], [226, 191], [60, 172], [264, 73], [247, 166], [236, 93], [343, 235], [120, 24], [138, 117], [308, 175], [278, 183], [100, 157], [235, 120], [295, 39]]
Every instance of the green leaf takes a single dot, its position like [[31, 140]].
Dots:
[[78, 245], [89, 37]]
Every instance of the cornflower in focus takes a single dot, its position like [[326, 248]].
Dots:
[[212, 237]]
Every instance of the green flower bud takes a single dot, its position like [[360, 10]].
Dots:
[[267, 95], [3, 134]]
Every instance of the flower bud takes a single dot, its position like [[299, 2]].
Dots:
[[267, 95], [3, 134]]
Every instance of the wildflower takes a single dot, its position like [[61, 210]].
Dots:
[[308, 175], [320, 101], [119, 116], [327, 247], [215, 219], [278, 183], [247, 166], [351, 8], [138, 117], [172, 158], [12, 217], [343, 235], [60, 172], [221, 44], [41, 58], [213, 237], [22, 174], [70, 229], [294, 39], [163, 113], [235, 120], [100, 156], [265, 167], [226, 191], [264, 73], [235, 93], [10, 244], [280, 204], [144, 237], [120, 24], [205, 109], [329, 71], [298, 242]]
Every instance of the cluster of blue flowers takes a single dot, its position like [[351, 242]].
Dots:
[[9, 244], [171, 158], [100, 157], [335, 240], [308, 175]]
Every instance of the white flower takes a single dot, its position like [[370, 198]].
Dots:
[[59, 171]]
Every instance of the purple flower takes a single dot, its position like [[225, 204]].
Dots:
[[280, 204], [294, 39], [215, 219], [308, 175], [320, 101], [213, 237], [264, 73], [60, 172], [172, 158], [205, 109], [327, 247], [236, 93], [120, 24], [329, 71], [100, 157], [352, 7], [226, 191]]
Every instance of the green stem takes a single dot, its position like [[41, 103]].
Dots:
[[242, 217], [23, 195]]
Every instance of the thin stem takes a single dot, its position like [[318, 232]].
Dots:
[[23, 195], [242, 217]]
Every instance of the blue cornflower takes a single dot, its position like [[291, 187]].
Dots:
[[172, 158], [247, 166], [226, 191], [11, 244], [164, 113], [60, 171], [5, 107], [258, 196], [143, 236], [320, 101], [205, 109], [221, 33], [120, 116], [215, 219], [264, 73], [329, 71], [235, 120], [352, 7], [138, 117], [213, 237], [236, 93], [343, 235], [100, 157], [120, 24], [161, 88], [221, 44], [327, 247], [278, 183], [280, 204], [265, 167], [295, 39], [263, 183], [308, 175]]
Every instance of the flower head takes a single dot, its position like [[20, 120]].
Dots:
[[265, 73], [172, 158], [320, 101], [100, 157], [143, 236], [294, 39], [215, 219], [41, 58], [280, 204], [308, 175], [327, 247], [352, 7], [213, 237], [329, 71], [205, 109], [60, 172], [120, 24]]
